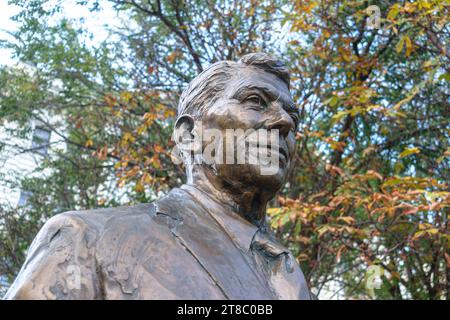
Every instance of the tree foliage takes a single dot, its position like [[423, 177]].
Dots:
[[370, 183]]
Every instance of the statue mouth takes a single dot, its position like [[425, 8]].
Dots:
[[281, 152]]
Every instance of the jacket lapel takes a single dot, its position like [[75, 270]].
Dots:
[[213, 249]]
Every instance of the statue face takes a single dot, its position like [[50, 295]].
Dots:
[[255, 100]]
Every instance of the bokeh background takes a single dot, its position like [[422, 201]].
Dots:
[[88, 96]]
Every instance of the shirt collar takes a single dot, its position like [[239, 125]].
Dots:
[[238, 229]]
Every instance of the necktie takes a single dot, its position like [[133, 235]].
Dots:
[[279, 267]]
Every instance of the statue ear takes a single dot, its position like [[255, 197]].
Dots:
[[183, 135], [183, 131]]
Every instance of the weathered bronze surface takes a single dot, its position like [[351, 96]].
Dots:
[[205, 240]]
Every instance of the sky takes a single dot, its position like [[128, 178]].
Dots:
[[6, 11], [95, 22]]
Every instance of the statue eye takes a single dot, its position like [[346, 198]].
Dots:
[[255, 99]]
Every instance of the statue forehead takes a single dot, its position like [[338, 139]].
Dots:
[[247, 79]]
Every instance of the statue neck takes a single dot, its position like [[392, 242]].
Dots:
[[250, 202]]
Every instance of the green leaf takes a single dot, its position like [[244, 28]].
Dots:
[[399, 46], [409, 151], [445, 76], [338, 116], [393, 12]]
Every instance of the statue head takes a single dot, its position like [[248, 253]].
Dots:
[[223, 116]]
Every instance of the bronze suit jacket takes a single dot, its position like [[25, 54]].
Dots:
[[182, 246]]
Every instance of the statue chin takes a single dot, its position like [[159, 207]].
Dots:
[[247, 176]]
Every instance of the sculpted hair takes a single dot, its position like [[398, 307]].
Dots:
[[205, 89]]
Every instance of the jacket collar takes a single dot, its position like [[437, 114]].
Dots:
[[220, 240], [217, 239], [237, 228]]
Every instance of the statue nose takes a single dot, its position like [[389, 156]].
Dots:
[[283, 122]]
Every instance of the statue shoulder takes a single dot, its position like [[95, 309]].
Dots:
[[95, 220], [90, 225], [66, 245], [84, 227]]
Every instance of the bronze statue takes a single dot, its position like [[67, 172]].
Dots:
[[207, 239]]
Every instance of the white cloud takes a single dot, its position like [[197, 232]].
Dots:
[[95, 22], [6, 25]]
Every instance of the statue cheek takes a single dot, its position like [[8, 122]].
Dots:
[[234, 116], [220, 118]]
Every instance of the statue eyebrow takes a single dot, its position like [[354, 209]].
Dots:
[[288, 106], [269, 93]]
